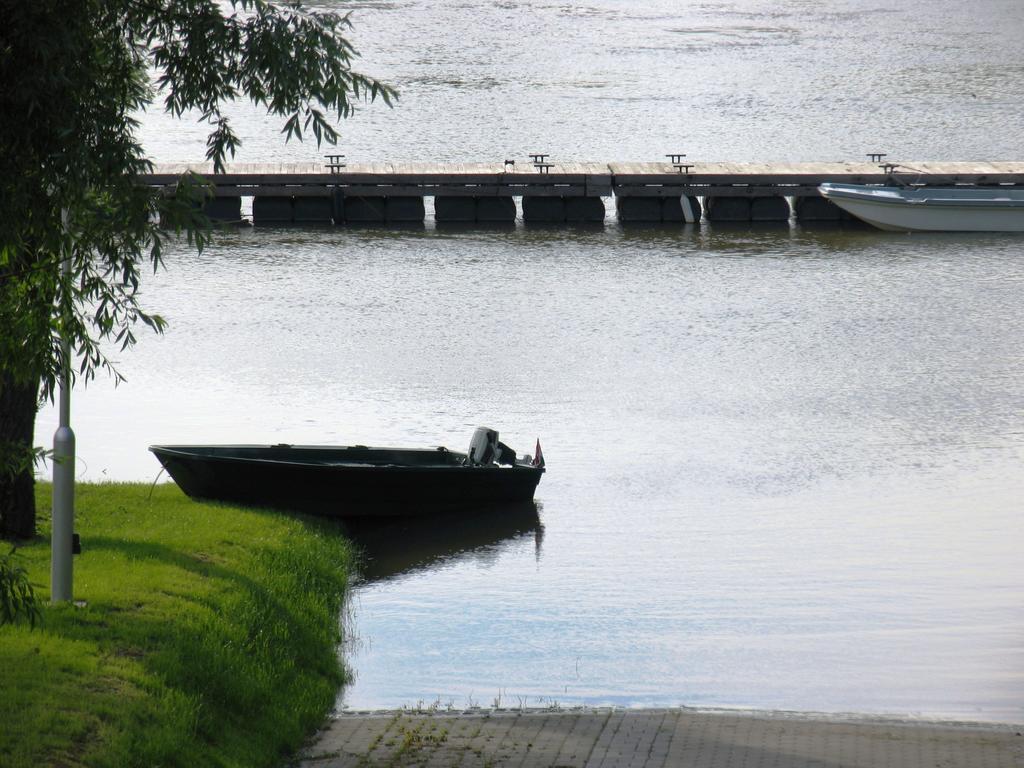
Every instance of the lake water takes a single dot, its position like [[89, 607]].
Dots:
[[785, 465]]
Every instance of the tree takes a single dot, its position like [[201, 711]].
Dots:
[[17, 595], [73, 76]]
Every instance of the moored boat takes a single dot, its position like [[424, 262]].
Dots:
[[932, 209], [342, 481]]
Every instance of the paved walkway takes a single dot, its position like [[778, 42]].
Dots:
[[673, 737]]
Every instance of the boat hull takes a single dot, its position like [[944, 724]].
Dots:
[[344, 482], [899, 209]]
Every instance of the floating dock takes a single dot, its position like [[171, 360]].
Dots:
[[382, 193]]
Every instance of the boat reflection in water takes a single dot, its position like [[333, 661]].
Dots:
[[392, 547]]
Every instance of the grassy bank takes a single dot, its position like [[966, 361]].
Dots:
[[208, 638]]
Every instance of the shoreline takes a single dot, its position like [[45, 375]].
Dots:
[[794, 715]]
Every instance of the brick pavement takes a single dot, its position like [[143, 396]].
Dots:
[[610, 738]]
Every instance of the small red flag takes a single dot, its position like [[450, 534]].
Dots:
[[538, 456]]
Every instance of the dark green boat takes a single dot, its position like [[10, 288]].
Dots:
[[355, 480]]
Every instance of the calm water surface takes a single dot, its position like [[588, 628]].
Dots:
[[785, 466]]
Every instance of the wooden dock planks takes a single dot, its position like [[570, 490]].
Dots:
[[586, 179]]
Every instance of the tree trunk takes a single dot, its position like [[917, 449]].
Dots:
[[18, 405]]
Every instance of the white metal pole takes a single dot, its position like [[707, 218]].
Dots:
[[63, 469]]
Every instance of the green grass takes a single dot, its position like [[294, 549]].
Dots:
[[209, 636]]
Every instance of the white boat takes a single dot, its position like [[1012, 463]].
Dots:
[[932, 209]]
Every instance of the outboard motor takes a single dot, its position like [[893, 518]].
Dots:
[[483, 446]]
